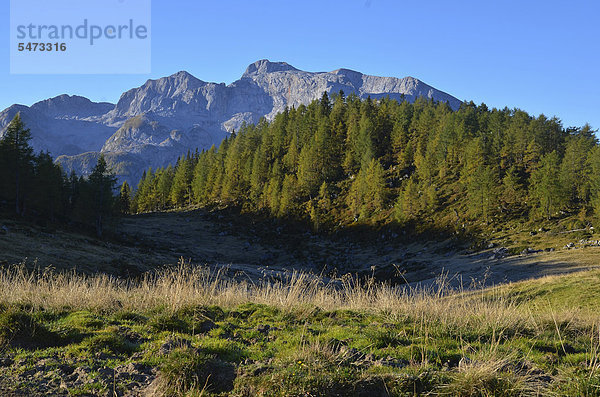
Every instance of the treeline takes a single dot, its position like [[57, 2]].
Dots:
[[33, 187], [346, 160]]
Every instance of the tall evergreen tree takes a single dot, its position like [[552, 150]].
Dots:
[[594, 179], [164, 183], [17, 161], [101, 185], [48, 187], [546, 188], [482, 192], [512, 190], [408, 205], [181, 189], [367, 194], [125, 198], [574, 169]]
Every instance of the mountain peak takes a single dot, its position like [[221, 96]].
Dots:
[[176, 78], [346, 71], [182, 74], [71, 106], [63, 99], [265, 66]]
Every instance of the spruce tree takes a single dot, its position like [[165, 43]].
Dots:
[[48, 187], [367, 194], [17, 158], [101, 184], [357, 194], [125, 198], [273, 196], [376, 193]]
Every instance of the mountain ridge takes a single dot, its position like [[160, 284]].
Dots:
[[173, 114]]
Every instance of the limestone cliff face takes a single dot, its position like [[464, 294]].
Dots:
[[150, 126], [288, 86]]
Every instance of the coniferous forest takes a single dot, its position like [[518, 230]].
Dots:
[[339, 162], [32, 186], [343, 161]]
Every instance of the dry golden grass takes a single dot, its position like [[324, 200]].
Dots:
[[187, 285]]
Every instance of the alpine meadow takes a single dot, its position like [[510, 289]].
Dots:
[[342, 198], [335, 245]]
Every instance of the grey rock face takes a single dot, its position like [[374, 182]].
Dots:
[[63, 125], [72, 107], [150, 126]]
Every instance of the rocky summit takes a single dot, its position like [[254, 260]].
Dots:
[[152, 125]]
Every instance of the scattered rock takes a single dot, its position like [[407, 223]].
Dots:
[[79, 377], [136, 372], [589, 243], [529, 250], [388, 361], [499, 253]]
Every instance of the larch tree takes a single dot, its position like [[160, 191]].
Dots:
[[546, 189]]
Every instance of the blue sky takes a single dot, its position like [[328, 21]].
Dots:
[[540, 56]]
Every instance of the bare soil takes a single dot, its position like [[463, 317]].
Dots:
[[259, 248]]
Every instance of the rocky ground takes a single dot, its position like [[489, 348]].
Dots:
[[254, 249], [54, 377]]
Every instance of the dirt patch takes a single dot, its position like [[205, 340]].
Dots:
[[261, 248]]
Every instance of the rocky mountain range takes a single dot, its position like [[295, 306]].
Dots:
[[152, 125]]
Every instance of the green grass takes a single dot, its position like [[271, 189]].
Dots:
[[539, 337], [580, 291]]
